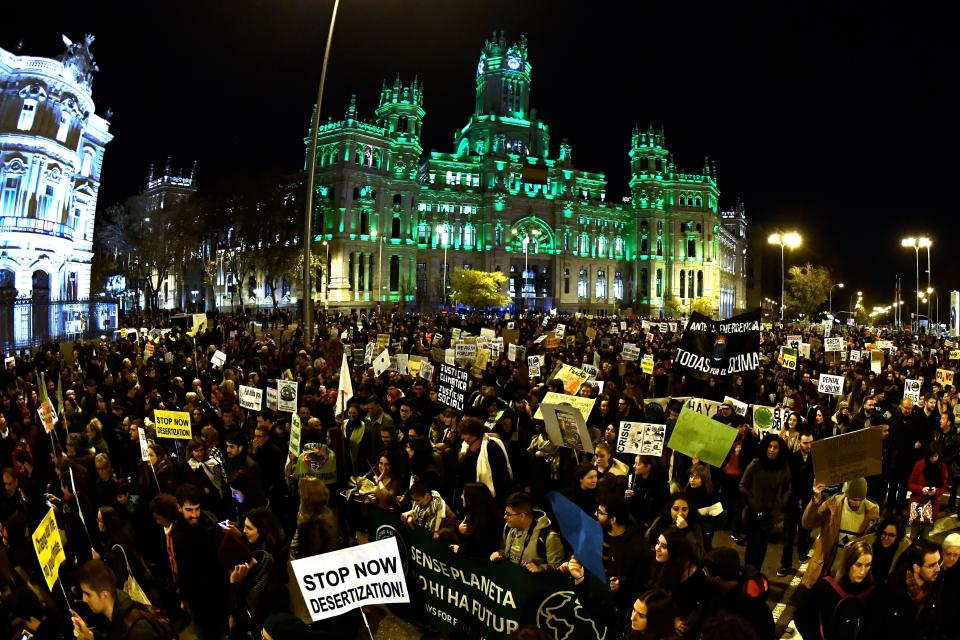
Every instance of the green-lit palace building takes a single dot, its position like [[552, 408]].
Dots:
[[390, 218]]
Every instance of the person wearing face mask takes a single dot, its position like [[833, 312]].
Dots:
[[837, 605], [765, 487], [841, 519]]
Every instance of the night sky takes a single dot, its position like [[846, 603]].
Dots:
[[831, 120]]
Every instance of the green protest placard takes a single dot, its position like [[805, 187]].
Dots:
[[703, 437]]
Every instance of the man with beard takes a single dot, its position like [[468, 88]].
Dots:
[[866, 417], [626, 557]]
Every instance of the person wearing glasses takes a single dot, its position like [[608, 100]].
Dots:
[[888, 542], [527, 539]]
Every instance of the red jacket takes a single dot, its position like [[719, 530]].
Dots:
[[918, 481]]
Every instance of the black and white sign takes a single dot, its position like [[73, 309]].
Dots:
[[452, 387], [336, 582], [641, 438], [720, 348], [251, 398], [831, 385], [218, 358], [287, 395], [911, 389], [832, 344], [533, 364]]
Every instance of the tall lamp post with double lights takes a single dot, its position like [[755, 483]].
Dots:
[[528, 234], [916, 244], [789, 240], [839, 284]]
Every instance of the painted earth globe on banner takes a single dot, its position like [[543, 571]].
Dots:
[[763, 417]]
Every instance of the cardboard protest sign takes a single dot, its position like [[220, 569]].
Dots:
[[511, 335], [533, 365], [793, 342], [287, 395], [876, 361], [697, 435], [720, 347], [641, 438], [911, 389], [403, 362], [788, 355], [512, 352], [336, 582], [9, 361], [296, 429], [465, 351], [383, 340], [218, 358], [646, 365], [851, 455], [49, 548], [945, 377], [854, 355], [591, 333], [414, 363], [955, 354], [740, 408], [48, 415], [552, 343], [426, 371], [581, 404], [172, 424], [450, 356], [452, 386], [251, 398], [490, 334], [833, 344], [805, 350], [144, 449], [148, 350], [272, 400], [708, 408], [830, 385], [382, 362], [566, 427], [560, 331], [630, 352], [572, 378]]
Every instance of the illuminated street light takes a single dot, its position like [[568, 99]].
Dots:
[[916, 244], [790, 240], [839, 284]]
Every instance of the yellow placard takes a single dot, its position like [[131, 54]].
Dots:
[[49, 548], [383, 340], [172, 424], [955, 354], [646, 365], [483, 357], [552, 343], [591, 333], [581, 404], [945, 377]]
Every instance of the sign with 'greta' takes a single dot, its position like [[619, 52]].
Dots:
[[336, 582]]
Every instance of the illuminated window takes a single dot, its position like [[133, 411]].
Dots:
[[683, 283], [498, 235], [583, 285], [422, 233], [469, 235], [443, 235], [584, 244], [659, 282], [87, 165], [618, 248], [602, 246], [27, 113], [601, 287], [8, 199], [64, 127], [618, 286]]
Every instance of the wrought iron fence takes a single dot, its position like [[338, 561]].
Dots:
[[26, 322]]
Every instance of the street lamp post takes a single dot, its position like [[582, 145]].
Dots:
[[790, 240], [915, 244], [311, 170], [446, 246], [839, 284], [324, 284], [925, 244]]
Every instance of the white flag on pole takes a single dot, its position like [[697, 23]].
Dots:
[[345, 391]]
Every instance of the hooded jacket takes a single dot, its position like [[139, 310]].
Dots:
[[765, 485], [532, 550]]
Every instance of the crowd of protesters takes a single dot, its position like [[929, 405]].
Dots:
[[194, 537]]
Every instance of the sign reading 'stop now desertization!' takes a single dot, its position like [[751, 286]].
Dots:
[[172, 424]]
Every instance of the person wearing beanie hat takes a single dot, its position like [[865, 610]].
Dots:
[[842, 519]]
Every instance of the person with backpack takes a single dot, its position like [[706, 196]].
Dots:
[[126, 619], [739, 590], [528, 540], [835, 609]]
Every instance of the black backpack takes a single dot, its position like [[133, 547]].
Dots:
[[845, 620], [160, 622]]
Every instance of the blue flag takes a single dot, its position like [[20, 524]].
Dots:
[[581, 532]]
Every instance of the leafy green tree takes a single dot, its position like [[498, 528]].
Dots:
[[808, 288], [478, 289], [674, 306], [705, 306]]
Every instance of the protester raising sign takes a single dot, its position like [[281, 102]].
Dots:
[[698, 436], [336, 582], [857, 454], [49, 548], [720, 347], [641, 438], [172, 424], [571, 377], [945, 377], [581, 404], [251, 398], [566, 427], [452, 387], [911, 389], [287, 395]]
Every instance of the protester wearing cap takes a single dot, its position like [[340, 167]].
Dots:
[[841, 519]]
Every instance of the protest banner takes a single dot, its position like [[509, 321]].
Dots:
[[218, 358], [740, 408], [566, 426], [885, 344], [583, 405], [414, 363], [833, 344], [851, 455], [571, 377], [827, 328], [251, 398], [510, 336], [533, 365], [591, 333], [339, 581], [403, 362], [830, 385], [641, 438], [805, 350], [720, 347], [49, 548], [630, 352], [708, 408], [383, 340], [945, 377], [296, 429], [788, 355], [490, 334], [450, 356], [762, 418], [272, 401], [696, 435], [854, 355], [48, 415], [955, 354], [144, 448], [646, 364], [381, 363], [464, 597], [287, 395], [9, 361], [672, 326], [452, 387], [426, 371], [793, 342], [148, 350], [172, 424], [911, 389], [512, 352], [560, 331], [465, 351], [552, 343]]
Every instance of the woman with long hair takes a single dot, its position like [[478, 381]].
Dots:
[[888, 542], [653, 616], [316, 525], [677, 571], [647, 490], [705, 501], [388, 483], [120, 547], [424, 463], [836, 604], [480, 530], [927, 483], [247, 494], [583, 492], [679, 514], [605, 463]]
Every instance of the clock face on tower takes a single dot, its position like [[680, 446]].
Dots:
[[513, 63]]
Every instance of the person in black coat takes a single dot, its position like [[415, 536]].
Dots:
[[907, 605], [627, 558], [583, 493], [479, 533], [908, 437], [800, 463], [738, 590], [647, 490]]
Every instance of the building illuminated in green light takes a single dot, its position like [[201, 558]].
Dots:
[[391, 216]]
